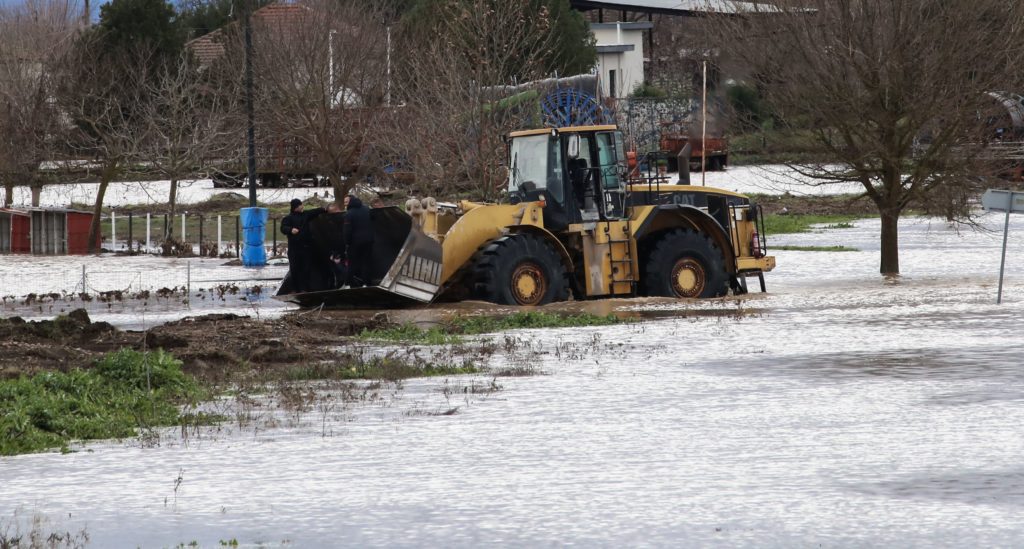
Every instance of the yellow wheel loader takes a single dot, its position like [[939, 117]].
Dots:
[[573, 226]]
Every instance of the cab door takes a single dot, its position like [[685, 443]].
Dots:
[[610, 167]]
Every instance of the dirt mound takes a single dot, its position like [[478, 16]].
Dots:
[[214, 347], [65, 342], [220, 202]]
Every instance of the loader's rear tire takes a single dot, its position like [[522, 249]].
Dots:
[[685, 263], [520, 269]]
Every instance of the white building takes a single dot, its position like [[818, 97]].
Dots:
[[620, 56]]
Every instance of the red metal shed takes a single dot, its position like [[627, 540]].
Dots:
[[45, 231], [14, 231]]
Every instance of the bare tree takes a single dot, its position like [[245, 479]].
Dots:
[[186, 123], [450, 126], [320, 76], [33, 36], [893, 90], [103, 95]]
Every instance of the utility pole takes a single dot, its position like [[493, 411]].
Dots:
[[249, 108], [253, 219]]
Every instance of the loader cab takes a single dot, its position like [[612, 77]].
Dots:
[[578, 171]]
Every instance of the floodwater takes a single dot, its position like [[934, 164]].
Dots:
[[839, 409], [140, 290]]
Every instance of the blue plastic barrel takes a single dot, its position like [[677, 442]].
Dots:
[[254, 229]]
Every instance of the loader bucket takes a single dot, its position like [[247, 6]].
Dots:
[[405, 266]]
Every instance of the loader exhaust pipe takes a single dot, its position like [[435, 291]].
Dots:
[[683, 161]]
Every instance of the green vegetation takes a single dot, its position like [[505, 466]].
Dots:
[[789, 224], [389, 367], [649, 91], [410, 333], [451, 330], [125, 391], [816, 248], [224, 204], [125, 24], [572, 51], [769, 145]]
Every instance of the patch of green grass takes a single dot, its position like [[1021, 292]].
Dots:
[[125, 391], [789, 224], [816, 248], [452, 329], [472, 325], [410, 333], [389, 368]]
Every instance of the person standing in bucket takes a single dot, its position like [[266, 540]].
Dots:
[[300, 245], [358, 241]]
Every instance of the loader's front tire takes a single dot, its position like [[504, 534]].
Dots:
[[685, 263], [520, 269]]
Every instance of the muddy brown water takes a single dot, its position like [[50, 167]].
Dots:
[[840, 409]]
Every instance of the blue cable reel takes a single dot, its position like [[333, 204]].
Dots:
[[572, 107]]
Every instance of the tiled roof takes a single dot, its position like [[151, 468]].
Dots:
[[209, 47]]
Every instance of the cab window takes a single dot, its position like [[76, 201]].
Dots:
[[608, 153], [536, 164]]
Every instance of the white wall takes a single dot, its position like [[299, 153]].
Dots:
[[628, 65]]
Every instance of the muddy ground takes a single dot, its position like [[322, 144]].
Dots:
[[212, 347]]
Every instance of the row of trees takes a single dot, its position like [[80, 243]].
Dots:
[[896, 91], [355, 85]]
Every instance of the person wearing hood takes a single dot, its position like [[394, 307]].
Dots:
[[358, 232], [300, 244]]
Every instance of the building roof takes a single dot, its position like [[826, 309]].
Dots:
[[615, 48], [674, 7], [210, 46], [27, 210], [626, 26]]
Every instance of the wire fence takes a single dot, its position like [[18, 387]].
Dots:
[[106, 282]]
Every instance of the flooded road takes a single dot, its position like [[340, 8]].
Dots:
[[840, 409]]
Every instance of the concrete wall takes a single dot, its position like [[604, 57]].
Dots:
[[620, 48]]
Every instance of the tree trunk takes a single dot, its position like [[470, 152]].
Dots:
[[172, 203], [8, 194], [109, 169], [37, 190], [341, 187], [890, 243]]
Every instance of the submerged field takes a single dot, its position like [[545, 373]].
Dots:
[[840, 408]]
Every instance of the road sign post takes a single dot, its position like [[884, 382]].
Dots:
[[1003, 201]]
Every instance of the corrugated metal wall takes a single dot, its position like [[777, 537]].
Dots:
[[49, 233]]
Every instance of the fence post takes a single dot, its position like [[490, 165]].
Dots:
[[274, 250], [219, 236], [188, 284], [83, 278], [129, 232], [238, 236], [113, 230], [166, 234], [200, 234], [147, 232], [183, 237]]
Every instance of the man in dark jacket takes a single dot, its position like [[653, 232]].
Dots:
[[300, 246], [358, 241]]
